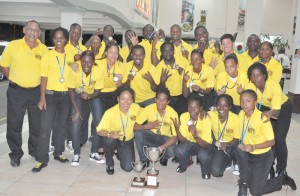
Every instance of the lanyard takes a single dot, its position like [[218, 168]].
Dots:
[[193, 79], [160, 124], [244, 131], [83, 81], [78, 49], [222, 133], [61, 69], [124, 127], [108, 71], [261, 99]]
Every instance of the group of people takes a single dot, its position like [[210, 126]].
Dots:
[[206, 101]]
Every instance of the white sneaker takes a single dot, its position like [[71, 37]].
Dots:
[[75, 160], [96, 157], [69, 146], [51, 149], [236, 170]]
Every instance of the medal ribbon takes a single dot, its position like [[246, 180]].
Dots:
[[108, 71], [261, 99], [162, 120], [61, 69], [244, 131], [124, 127], [222, 133], [83, 81]]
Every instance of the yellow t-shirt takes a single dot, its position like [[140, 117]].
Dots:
[[274, 69], [78, 80], [224, 131], [124, 52], [221, 65], [109, 84], [223, 79], [24, 63], [55, 66], [272, 97], [151, 114], [73, 50], [174, 82], [178, 52], [115, 120], [203, 128], [205, 79], [256, 132], [148, 48], [248, 61], [208, 53], [141, 86]]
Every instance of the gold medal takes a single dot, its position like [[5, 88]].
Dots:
[[223, 89], [218, 144], [189, 123], [62, 80]]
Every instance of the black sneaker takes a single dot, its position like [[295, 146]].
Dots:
[[38, 167], [272, 173], [242, 189], [175, 160], [15, 163], [110, 170], [163, 162], [61, 159], [206, 176], [198, 161], [287, 180], [180, 170]]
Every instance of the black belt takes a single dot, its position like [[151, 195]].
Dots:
[[15, 85], [50, 92]]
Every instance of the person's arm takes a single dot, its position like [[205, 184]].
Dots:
[[197, 89], [168, 143], [87, 96], [77, 114], [270, 114], [180, 137], [232, 143], [154, 59], [96, 33], [110, 134], [251, 148], [42, 103], [5, 71], [147, 76], [185, 89], [148, 126], [203, 144]]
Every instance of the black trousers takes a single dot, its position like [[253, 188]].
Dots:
[[20, 100], [179, 104]]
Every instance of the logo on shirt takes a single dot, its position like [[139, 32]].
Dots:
[[270, 73], [132, 118], [251, 130], [38, 56], [93, 82], [269, 99], [229, 131]]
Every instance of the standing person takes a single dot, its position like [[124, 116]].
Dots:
[[20, 63], [274, 68], [54, 102], [116, 127], [251, 54], [159, 129], [125, 52], [194, 134], [277, 107], [254, 152], [199, 80], [224, 125], [84, 87]]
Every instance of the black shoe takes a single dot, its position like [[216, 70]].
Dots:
[[15, 163], [110, 170], [242, 189], [163, 162], [206, 176], [175, 160], [61, 158], [287, 180], [272, 173], [198, 161], [38, 167], [180, 170]]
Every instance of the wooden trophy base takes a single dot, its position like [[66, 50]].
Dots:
[[152, 181], [140, 184]]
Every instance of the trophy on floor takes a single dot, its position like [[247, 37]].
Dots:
[[138, 181], [153, 154]]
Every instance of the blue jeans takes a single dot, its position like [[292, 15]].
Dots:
[[146, 102], [221, 159], [125, 152], [148, 138], [96, 108], [58, 106]]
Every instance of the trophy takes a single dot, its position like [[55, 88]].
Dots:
[[138, 181], [153, 154]]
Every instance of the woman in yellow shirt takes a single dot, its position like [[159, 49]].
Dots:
[[116, 127]]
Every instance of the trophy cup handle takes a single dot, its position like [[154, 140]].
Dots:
[[145, 147], [162, 154], [132, 164], [144, 166]]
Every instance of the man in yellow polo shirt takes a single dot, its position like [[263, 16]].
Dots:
[[20, 62], [251, 55]]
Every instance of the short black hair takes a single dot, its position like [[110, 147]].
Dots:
[[106, 26], [88, 53], [233, 57], [200, 27], [63, 30], [257, 65], [227, 36], [195, 97], [163, 90], [250, 92], [267, 43], [228, 98], [74, 25], [136, 47], [124, 88], [197, 51]]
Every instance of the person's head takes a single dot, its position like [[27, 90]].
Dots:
[[224, 105], [227, 42], [75, 32], [95, 44], [147, 31], [248, 100], [231, 65], [197, 59], [281, 51], [111, 51], [32, 31], [125, 96], [167, 51], [138, 55], [60, 37], [127, 35], [194, 106], [253, 42], [258, 74], [108, 31], [162, 98], [265, 50], [87, 61], [201, 34], [175, 32]]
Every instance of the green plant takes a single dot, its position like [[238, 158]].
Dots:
[[276, 41]]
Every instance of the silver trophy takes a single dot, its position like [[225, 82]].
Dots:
[[153, 154], [138, 167]]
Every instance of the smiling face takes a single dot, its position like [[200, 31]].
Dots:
[[125, 100], [201, 35], [223, 108], [248, 103], [175, 32], [59, 40], [147, 31], [161, 101], [138, 56], [95, 44], [75, 33], [32, 31], [112, 54], [87, 63], [231, 68], [108, 31], [194, 109], [167, 52], [227, 46], [265, 51], [196, 61]]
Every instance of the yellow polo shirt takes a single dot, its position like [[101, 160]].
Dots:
[[151, 114], [54, 66], [148, 48], [208, 53], [89, 83], [221, 65], [73, 50], [203, 128], [141, 86], [222, 132], [258, 131], [24, 63], [274, 69], [248, 61], [272, 97], [115, 120], [205, 79], [109, 84], [223, 79], [124, 52], [174, 82]]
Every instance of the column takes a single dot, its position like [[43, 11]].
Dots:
[[70, 15]]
